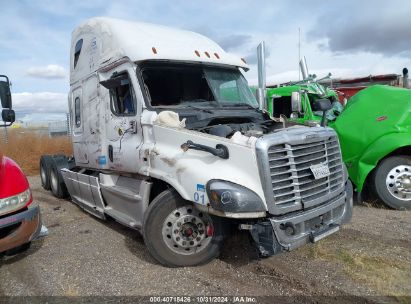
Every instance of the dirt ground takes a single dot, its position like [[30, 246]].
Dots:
[[370, 258]]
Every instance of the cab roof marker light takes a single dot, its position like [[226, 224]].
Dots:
[[154, 50], [216, 56], [243, 60], [207, 54], [197, 53]]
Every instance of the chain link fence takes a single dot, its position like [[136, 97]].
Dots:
[[60, 128]]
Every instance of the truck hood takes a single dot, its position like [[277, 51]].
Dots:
[[375, 122], [370, 114], [12, 179]]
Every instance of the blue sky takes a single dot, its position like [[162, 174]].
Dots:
[[346, 38]]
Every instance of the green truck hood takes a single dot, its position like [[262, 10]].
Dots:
[[375, 122]]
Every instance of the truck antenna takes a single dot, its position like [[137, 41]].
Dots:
[[299, 53]]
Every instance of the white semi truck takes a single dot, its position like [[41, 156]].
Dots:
[[169, 140]]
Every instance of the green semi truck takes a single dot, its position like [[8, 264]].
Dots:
[[374, 130]]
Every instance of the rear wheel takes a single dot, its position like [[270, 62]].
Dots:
[[392, 182], [45, 165], [178, 235], [57, 185]]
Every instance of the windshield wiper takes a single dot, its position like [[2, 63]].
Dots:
[[198, 108], [192, 104]]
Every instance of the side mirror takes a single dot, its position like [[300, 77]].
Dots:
[[322, 105], [5, 94], [8, 116], [295, 102]]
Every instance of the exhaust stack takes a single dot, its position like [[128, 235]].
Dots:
[[261, 91], [304, 68], [405, 78]]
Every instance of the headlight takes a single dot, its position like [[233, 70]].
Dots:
[[15, 202], [229, 197]]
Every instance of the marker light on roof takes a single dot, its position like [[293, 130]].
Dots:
[[207, 54], [216, 55], [154, 50], [197, 53], [243, 60]]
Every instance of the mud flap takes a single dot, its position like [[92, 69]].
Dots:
[[265, 240]]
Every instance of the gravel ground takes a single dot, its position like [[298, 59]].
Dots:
[[84, 256]]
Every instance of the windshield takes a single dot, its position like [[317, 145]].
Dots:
[[229, 87], [185, 85]]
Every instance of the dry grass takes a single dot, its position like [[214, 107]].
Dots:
[[388, 275], [25, 147]]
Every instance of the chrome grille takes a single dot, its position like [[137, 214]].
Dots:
[[291, 177]]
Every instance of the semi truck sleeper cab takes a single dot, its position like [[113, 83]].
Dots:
[[169, 140]]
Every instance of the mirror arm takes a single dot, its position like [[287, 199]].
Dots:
[[324, 119], [5, 125]]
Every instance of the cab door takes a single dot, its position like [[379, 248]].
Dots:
[[123, 104]]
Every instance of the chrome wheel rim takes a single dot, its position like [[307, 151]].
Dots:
[[398, 182], [187, 231]]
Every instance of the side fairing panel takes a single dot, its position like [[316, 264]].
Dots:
[[88, 136]]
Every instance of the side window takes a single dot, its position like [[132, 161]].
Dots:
[[122, 98], [77, 51], [77, 113], [282, 105]]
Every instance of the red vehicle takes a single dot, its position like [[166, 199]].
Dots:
[[20, 221], [346, 88]]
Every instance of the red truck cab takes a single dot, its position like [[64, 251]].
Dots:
[[20, 221]]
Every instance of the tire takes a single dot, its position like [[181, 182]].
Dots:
[[45, 165], [57, 185], [391, 182], [163, 218]]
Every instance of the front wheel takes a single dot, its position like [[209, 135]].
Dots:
[[392, 182], [178, 235]]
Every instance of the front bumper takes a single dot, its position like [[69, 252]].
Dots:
[[19, 228], [289, 232]]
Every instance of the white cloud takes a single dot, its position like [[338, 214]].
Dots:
[[50, 71], [41, 102]]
